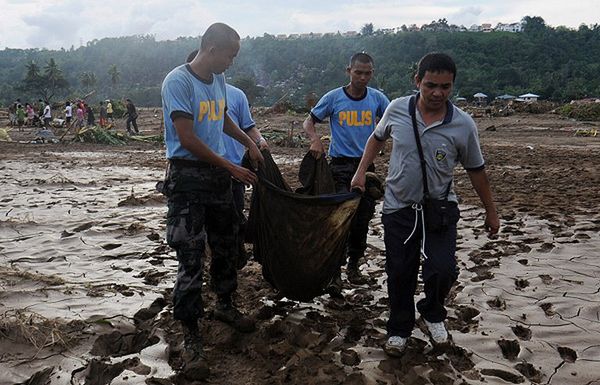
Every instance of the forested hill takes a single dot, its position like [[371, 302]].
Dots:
[[557, 63]]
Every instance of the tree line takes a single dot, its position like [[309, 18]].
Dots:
[[560, 64]]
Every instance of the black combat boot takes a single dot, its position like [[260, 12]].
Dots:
[[195, 362], [354, 275], [226, 311], [335, 287]]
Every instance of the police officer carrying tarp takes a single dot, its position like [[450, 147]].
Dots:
[[198, 185], [353, 111]]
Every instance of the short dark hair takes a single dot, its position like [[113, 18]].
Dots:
[[219, 35], [436, 62], [361, 57]]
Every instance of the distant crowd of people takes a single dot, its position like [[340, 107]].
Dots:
[[76, 114]]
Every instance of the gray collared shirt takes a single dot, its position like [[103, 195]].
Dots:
[[445, 144]]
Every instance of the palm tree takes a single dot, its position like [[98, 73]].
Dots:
[[51, 71], [87, 79], [54, 79], [114, 73], [33, 78], [33, 71]]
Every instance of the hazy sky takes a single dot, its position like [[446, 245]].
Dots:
[[55, 24]]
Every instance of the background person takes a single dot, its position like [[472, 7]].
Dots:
[[47, 114], [91, 120], [103, 115], [109, 110], [132, 116], [68, 113], [20, 114], [79, 116], [30, 114]]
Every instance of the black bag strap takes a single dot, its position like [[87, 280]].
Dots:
[[412, 109]]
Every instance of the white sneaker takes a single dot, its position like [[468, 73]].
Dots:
[[395, 345], [438, 332]]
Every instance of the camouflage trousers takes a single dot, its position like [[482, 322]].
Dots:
[[200, 212], [342, 170]]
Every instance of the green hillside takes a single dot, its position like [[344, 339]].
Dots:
[[557, 63]]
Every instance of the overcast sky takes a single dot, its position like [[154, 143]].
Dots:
[[55, 24]]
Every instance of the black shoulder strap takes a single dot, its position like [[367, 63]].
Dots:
[[412, 107]]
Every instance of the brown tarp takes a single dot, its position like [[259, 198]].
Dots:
[[300, 240]]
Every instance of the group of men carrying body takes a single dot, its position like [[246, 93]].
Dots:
[[201, 208]]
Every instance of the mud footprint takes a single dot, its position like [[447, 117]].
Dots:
[[546, 279], [503, 374], [150, 312], [510, 348], [522, 332], [40, 378], [567, 354], [521, 283], [497, 303], [99, 372], [116, 344], [482, 273], [467, 314], [548, 309], [151, 277], [530, 372]]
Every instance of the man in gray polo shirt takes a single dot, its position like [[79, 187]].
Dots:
[[448, 136]]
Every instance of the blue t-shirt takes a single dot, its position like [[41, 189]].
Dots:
[[238, 110], [351, 120], [186, 95]]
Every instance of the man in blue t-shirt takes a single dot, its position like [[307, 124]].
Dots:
[[238, 109], [198, 187], [352, 111]]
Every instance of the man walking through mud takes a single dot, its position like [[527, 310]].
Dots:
[[447, 136], [198, 186], [132, 116], [352, 111]]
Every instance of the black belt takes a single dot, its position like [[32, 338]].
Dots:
[[344, 160], [180, 162]]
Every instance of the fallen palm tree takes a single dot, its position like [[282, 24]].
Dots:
[[148, 138], [96, 134], [4, 136]]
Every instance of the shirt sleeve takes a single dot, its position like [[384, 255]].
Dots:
[[383, 130], [245, 116], [177, 97], [324, 108], [384, 102], [470, 155]]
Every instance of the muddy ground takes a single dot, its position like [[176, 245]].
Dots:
[[85, 275]]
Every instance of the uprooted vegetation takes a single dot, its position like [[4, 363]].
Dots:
[[10, 274], [581, 111], [108, 136], [34, 329]]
